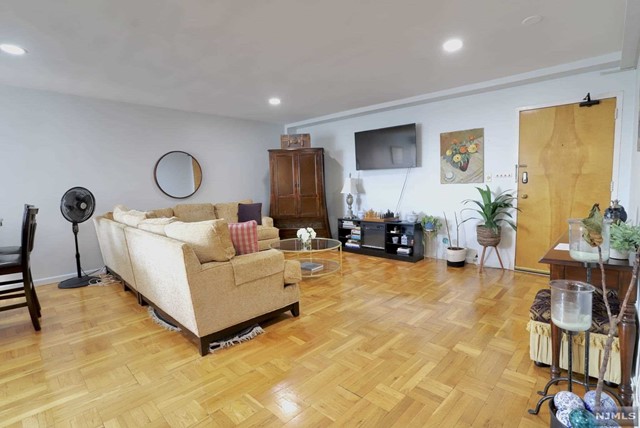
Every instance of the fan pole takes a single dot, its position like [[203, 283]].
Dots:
[[75, 237], [80, 281]]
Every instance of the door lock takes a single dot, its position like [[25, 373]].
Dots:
[[525, 196]]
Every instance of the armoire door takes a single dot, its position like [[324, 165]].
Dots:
[[284, 185], [309, 180]]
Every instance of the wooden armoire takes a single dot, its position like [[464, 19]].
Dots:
[[297, 191]]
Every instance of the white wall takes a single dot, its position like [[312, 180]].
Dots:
[[497, 113], [51, 142]]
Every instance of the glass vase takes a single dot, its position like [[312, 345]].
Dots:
[[580, 249]]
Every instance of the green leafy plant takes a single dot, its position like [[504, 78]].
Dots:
[[624, 237], [430, 222], [493, 211]]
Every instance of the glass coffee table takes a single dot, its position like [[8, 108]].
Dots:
[[324, 257]]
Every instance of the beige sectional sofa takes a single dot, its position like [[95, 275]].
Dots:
[[199, 285]]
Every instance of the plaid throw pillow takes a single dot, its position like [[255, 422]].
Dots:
[[244, 237]]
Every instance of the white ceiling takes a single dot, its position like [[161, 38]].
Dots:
[[319, 56]]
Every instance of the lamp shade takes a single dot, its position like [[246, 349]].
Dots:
[[350, 186]]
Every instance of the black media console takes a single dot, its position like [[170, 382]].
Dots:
[[393, 240]]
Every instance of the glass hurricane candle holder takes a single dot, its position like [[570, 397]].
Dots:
[[571, 303], [580, 249]]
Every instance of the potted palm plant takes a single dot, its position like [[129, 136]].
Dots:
[[493, 212], [456, 255]]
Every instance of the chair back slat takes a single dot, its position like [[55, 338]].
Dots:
[[28, 230]]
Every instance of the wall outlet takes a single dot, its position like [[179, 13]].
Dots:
[[472, 256]]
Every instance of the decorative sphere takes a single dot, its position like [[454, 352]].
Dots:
[[567, 400], [582, 418], [607, 403]]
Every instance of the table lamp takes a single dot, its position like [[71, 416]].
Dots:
[[350, 187]]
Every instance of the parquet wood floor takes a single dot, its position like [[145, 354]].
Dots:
[[387, 344]]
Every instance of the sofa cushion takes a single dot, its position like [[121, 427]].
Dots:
[[195, 212], [265, 232], [160, 213], [248, 212], [209, 239], [244, 237], [124, 215], [229, 210], [156, 225]]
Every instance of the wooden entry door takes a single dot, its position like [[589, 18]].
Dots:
[[566, 155]]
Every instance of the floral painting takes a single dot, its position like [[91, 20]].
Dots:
[[462, 156]]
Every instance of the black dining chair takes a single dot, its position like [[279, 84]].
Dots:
[[16, 249], [19, 263]]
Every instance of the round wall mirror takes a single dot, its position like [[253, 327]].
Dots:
[[178, 174]]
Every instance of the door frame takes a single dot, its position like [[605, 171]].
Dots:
[[617, 140]]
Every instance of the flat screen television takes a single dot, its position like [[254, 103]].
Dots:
[[387, 148]]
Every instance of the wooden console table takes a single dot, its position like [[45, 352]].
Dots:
[[618, 277]]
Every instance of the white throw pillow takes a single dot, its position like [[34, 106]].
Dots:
[[132, 218], [209, 239], [156, 225]]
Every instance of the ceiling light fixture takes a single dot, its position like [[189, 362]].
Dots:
[[452, 45], [531, 20], [12, 49], [274, 101]]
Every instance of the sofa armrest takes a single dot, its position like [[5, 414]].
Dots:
[[267, 221], [250, 267], [292, 272]]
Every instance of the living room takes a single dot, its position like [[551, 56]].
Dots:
[[81, 125]]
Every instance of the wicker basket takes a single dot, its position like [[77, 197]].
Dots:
[[486, 237]]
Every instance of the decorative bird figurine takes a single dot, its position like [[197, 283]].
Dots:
[[593, 226]]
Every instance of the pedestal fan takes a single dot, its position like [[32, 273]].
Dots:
[[77, 205]]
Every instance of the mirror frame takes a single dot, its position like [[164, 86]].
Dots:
[[155, 174]]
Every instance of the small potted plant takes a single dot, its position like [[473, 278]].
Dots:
[[624, 238], [431, 223], [456, 255], [493, 212]]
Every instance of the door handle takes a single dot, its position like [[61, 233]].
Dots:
[[525, 196]]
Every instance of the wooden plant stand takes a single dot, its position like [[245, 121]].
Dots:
[[484, 251]]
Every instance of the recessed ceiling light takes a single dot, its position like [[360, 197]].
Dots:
[[274, 101], [452, 45], [531, 20], [12, 49]]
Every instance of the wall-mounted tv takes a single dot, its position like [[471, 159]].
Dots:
[[387, 148]]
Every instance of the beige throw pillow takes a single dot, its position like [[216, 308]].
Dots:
[[132, 218], [210, 239], [160, 213], [229, 210], [194, 212], [156, 225]]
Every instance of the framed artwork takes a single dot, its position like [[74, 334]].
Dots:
[[462, 156]]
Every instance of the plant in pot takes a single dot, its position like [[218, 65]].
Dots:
[[456, 255], [493, 212], [430, 224], [624, 238]]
